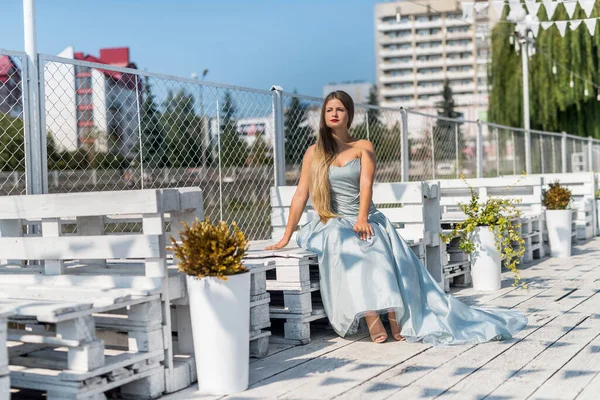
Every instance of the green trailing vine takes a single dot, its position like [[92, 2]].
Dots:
[[502, 217]]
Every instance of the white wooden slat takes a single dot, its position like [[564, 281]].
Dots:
[[51, 229], [91, 226], [99, 298], [79, 204], [82, 247], [11, 228], [281, 196], [20, 336], [141, 285], [406, 193], [410, 193], [280, 215], [26, 308], [405, 215]]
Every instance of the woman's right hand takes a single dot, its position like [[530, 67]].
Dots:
[[282, 243]]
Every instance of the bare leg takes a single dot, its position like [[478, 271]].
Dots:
[[395, 327], [376, 328]]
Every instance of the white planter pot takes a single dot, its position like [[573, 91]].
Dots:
[[220, 314], [486, 263], [559, 232]]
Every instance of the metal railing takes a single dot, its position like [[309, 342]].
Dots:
[[111, 128]]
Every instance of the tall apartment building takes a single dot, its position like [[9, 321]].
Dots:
[[93, 106], [358, 90], [420, 44]]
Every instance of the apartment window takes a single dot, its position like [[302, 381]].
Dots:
[[427, 71], [429, 58], [481, 81], [400, 72], [81, 69], [395, 34], [86, 115], [399, 98], [399, 85], [396, 60], [393, 20], [84, 99], [84, 82], [454, 16]]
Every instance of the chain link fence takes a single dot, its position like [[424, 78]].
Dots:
[[111, 128], [12, 124]]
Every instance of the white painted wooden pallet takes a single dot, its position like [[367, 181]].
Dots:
[[78, 249], [5, 312], [74, 362]]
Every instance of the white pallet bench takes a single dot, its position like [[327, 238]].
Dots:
[[5, 312], [583, 188], [293, 287], [53, 344], [88, 255], [528, 190], [260, 300], [414, 210]]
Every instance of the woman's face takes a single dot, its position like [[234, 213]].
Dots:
[[336, 115]]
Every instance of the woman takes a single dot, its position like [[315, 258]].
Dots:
[[366, 269]]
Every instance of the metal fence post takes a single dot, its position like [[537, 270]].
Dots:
[[34, 139], [405, 162], [279, 145], [479, 149], [563, 152], [590, 154], [528, 152]]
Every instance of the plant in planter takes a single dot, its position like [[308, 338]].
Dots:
[[490, 234], [218, 288], [557, 201]]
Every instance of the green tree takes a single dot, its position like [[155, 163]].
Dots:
[[385, 142], [298, 135], [444, 132], [12, 144], [554, 105], [153, 135], [234, 150], [260, 153], [183, 130]]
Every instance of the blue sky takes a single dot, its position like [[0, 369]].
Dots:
[[301, 44]]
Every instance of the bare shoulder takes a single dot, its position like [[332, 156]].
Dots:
[[364, 144], [308, 154]]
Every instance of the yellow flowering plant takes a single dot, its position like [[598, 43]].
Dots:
[[502, 217], [210, 249]]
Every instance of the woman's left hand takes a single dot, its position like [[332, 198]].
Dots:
[[364, 230]]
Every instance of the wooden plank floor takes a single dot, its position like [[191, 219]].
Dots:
[[557, 356]]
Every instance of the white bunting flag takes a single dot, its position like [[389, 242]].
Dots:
[[591, 25], [467, 9], [562, 27], [575, 24], [547, 24], [499, 7], [535, 28], [532, 7], [570, 7], [588, 6], [550, 7]]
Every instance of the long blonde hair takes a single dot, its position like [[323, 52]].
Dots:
[[325, 152]]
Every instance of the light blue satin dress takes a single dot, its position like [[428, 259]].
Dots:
[[383, 274]]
